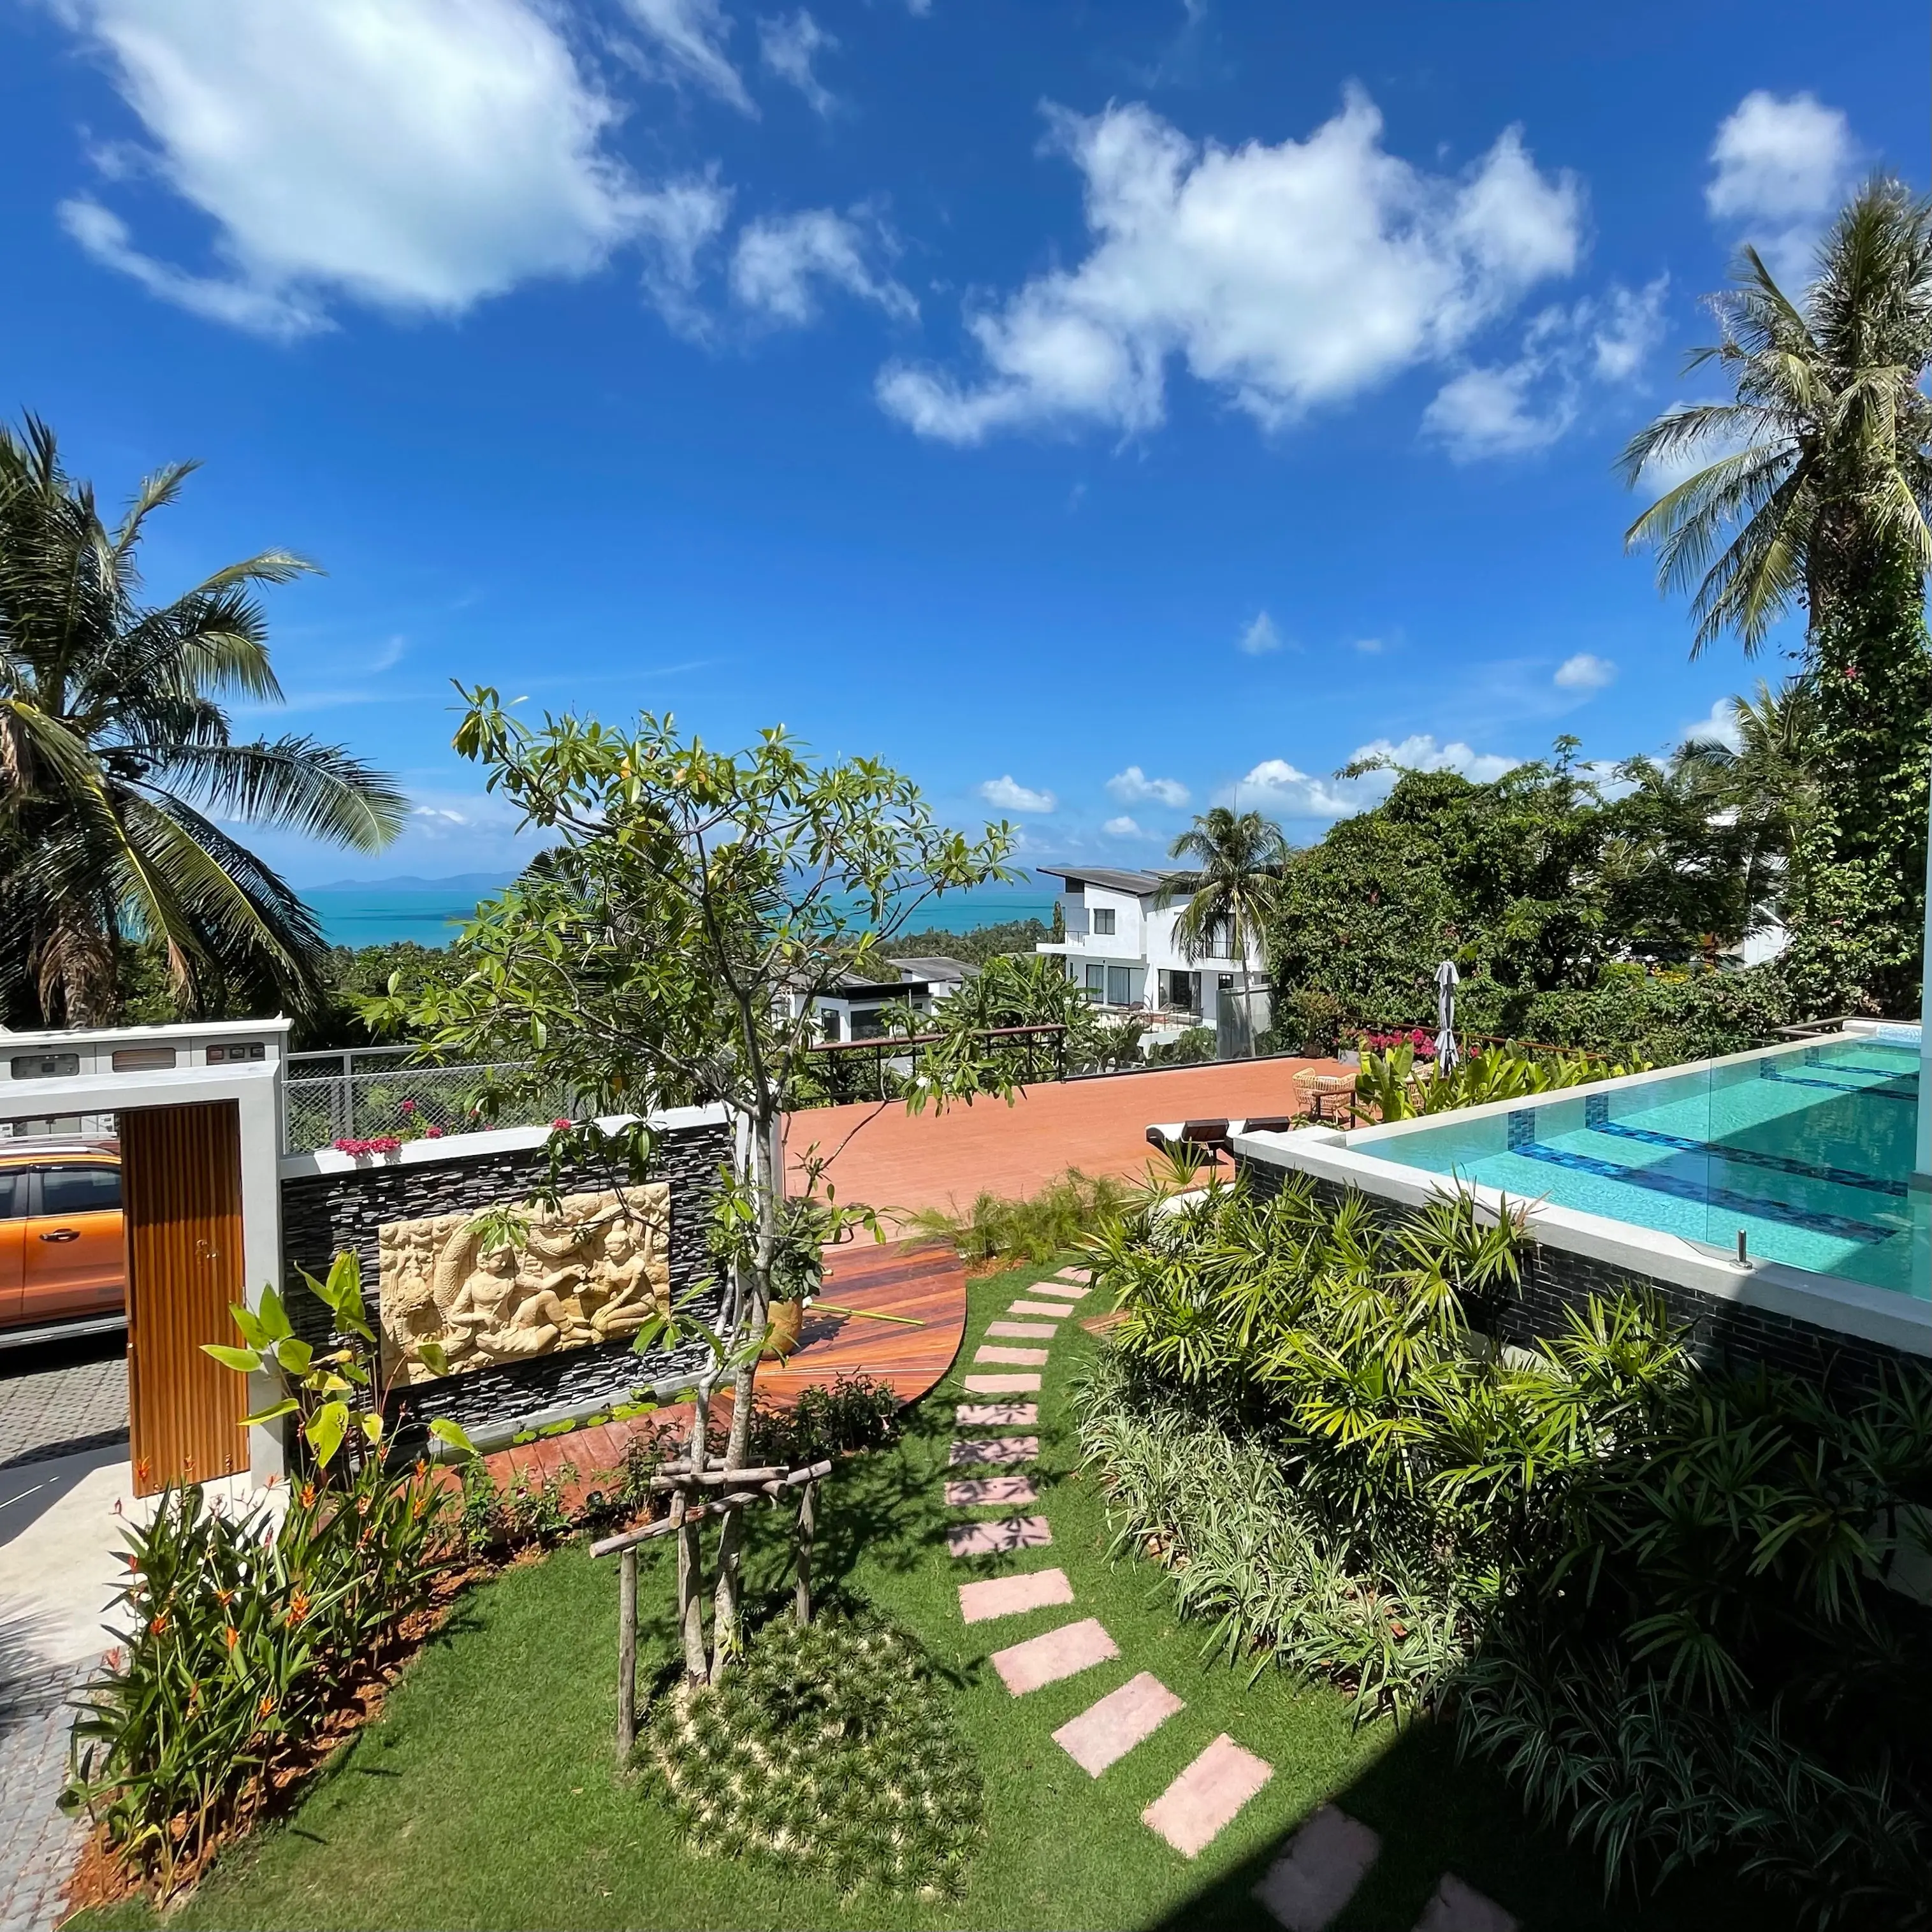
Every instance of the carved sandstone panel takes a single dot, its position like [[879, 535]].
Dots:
[[597, 1271]]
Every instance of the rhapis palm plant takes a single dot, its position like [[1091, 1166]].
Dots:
[[116, 764]]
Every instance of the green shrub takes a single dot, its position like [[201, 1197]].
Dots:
[[829, 1751], [1393, 1083], [245, 1638], [1196, 1044], [1658, 1593], [1059, 1217], [856, 1412], [1667, 1019]]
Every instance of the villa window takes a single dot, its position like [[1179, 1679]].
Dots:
[[828, 1026], [1097, 983], [1178, 989], [1103, 917], [1121, 990]]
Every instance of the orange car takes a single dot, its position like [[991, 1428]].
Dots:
[[62, 1257]]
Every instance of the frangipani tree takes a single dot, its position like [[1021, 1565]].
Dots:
[[665, 949]]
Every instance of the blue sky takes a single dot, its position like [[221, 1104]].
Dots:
[[1098, 411]]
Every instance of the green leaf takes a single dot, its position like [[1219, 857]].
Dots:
[[433, 1357], [243, 1361], [453, 1435], [272, 1316], [287, 1405], [325, 1430], [295, 1354], [251, 1330], [372, 1426]]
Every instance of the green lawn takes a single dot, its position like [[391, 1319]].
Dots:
[[489, 1794]]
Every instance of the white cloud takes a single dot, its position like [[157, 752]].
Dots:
[[1123, 827], [789, 46], [1781, 166], [1285, 277], [1720, 728], [1512, 409], [1132, 786], [1008, 794], [782, 262], [391, 654], [1275, 785], [435, 816], [689, 36], [1369, 647], [676, 229], [417, 154], [1586, 673], [1259, 636]]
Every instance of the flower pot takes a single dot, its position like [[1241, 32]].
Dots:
[[783, 1321]]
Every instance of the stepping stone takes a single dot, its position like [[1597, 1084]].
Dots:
[[1024, 1331], [975, 1490], [1082, 1276], [1191, 1813], [1008, 1596], [1307, 1886], [1457, 1907], [1058, 1290], [996, 1539], [994, 1449], [1000, 1384], [1020, 1358], [1058, 1310], [1063, 1652], [1107, 1731], [995, 1414]]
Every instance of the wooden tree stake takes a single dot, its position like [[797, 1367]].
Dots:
[[802, 1600], [627, 1655]]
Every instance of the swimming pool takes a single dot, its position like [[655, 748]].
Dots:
[[1807, 1151]]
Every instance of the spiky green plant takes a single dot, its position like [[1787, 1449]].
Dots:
[[830, 1751]]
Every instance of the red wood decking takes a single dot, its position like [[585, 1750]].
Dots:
[[922, 1281]]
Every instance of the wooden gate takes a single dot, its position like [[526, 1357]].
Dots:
[[181, 1196]]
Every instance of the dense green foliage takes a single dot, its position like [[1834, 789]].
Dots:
[[1541, 882], [245, 1638], [1035, 1229], [975, 946], [1398, 1088], [832, 1751], [118, 777], [1816, 498], [1655, 1594], [856, 1412]]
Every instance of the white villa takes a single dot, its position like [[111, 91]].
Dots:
[[1122, 949], [852, 1009]]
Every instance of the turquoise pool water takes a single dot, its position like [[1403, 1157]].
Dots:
[[1808, 1153]]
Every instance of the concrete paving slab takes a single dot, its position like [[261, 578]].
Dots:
[[997, 1539], [1306, 1887], [972, 1451], [1059, 1310], [976, 1491], [1457, 1907], [1082, 1276], [1020, 1358], [1059, 1653], [1008, 1596], [1000, 1384], [1105, 1732], [1194, 1810], [1023, 1331], [995, 1414], [1060, 1291]]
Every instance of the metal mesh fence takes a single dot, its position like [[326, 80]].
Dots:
[[358, 1096]]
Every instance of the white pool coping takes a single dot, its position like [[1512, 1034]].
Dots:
[[1830, 1301]]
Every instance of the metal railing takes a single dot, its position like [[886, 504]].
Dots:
[[857, 1070], [369, 1093]]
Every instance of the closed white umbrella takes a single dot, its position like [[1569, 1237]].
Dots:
[[1446, 979]]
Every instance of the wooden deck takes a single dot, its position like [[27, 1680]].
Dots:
[[896, 1160], [922, 1281]]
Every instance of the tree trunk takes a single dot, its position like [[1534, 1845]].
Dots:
[[767, 1169], [690, 1558]]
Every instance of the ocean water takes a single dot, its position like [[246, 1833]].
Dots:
[[1807, 1154], [432, 911]]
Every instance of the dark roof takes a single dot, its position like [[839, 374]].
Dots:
[[1115, 877]]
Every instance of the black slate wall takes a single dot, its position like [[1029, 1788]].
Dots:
[[324, 1214], [1722, 1334]]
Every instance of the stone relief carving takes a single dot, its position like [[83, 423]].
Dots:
[[596, 1271]]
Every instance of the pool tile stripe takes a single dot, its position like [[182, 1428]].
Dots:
[[1839, 1177], [1840, 1226]]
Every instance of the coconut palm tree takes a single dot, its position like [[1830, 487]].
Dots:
[[1233, 888], [1826, 455], [118, 773], [1816, 494]]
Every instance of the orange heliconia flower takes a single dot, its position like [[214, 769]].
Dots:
[[230, 1635]]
